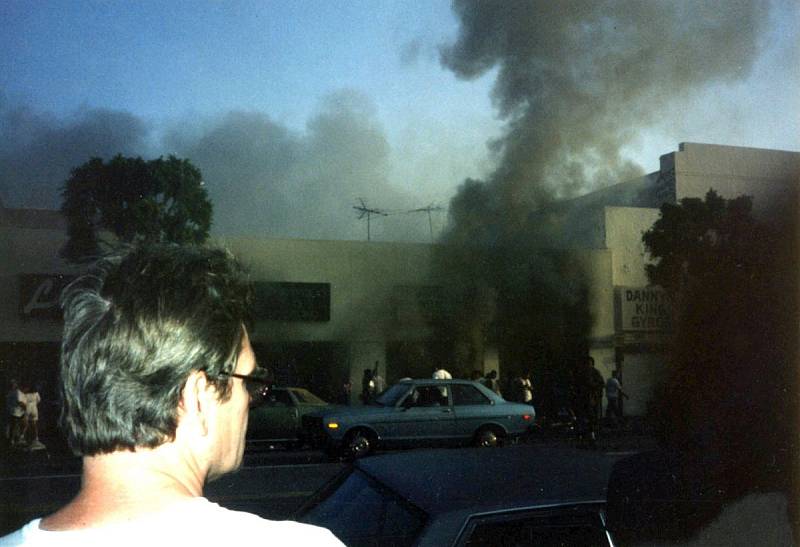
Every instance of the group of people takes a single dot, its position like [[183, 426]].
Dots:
[[22, 417], [587, 397]]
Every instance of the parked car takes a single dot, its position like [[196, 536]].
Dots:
[[279, 418], [518, 495], [420, 412]]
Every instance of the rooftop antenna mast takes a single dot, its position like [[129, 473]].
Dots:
[[428, 210], [364, 211]]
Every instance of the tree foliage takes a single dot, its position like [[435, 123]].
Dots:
[[703, 240], [729, 373], [130, 200]]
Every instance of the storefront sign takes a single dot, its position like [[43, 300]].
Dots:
[[293, 301], [39, 294], [644, 309]]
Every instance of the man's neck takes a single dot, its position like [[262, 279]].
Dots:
[[124, 485]]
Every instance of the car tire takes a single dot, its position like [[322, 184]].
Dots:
[[358, 443], [488, 437]]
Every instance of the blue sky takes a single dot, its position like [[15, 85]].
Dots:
[[183, 66]]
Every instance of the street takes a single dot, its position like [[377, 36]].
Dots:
[[272, 484], [273, 481]]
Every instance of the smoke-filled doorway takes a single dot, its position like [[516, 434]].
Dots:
[[317, 366], [415, 359]]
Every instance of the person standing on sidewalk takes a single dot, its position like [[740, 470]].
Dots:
[[614, 395], [15, 413]]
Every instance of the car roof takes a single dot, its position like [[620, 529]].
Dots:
[[416, 381], [445, 480]]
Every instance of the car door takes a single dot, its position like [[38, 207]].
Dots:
[[471, 409], [425, 415], [276, 419]]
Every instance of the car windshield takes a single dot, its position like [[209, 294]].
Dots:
[[306, 397], [392, 396], [362, 511]]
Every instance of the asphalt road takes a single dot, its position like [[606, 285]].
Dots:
[[273, 482]]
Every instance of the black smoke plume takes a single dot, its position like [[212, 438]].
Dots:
[[575, 83]]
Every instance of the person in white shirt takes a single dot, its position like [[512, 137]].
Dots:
[[614, 395], [157, 373], [439, 373], [31, 435]]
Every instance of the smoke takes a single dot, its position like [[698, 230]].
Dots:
[[575, 84], [577, 81], [38, 151], [264, 179]]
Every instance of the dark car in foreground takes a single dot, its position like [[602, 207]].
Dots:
[[518, 495], [420, 412], [279, 418]]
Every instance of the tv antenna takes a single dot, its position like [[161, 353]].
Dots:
[[430, 208], [364, 211]]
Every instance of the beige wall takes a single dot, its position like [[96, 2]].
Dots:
[[772, 177], [624, 229], [27, 251], [362, 275]]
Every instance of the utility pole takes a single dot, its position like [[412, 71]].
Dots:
[[364, 211]]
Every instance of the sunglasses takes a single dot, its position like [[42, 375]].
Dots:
[[257, 384]]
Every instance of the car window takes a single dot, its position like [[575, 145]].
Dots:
[[279, 398], [305, 396], [427, 396], [392, 396], [468, 395], [362, 512], [581, 528]]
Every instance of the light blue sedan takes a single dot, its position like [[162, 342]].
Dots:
[[420, 413]]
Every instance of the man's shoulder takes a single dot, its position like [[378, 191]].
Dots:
[[279, 532]]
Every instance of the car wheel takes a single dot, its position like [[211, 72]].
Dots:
[[358, 444], [487, 437]]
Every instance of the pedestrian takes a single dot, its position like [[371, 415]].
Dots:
[[490, 381], [31, 436], [367, 387], [157, 375], [614, 395], [15, 413], [524, 388], [344, 393], [439, 373], [588, 398], [377, 379]]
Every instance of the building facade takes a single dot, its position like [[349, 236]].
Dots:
[[328, 310]]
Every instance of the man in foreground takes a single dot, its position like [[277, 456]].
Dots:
[[157, 374]]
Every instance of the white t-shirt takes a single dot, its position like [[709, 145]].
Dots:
[[32, 401], [194, 522], [441, 374]]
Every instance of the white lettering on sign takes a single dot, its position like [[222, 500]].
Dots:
[[43, 297], [645, 309]]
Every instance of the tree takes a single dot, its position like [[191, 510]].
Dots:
[[133, 201], [729, 374]]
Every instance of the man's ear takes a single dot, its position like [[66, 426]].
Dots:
[[198, 400]]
